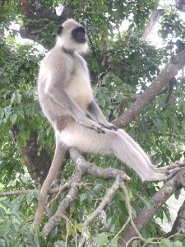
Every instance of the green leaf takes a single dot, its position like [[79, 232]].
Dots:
[[102, 239], [166, 243], [13, 118], [70, 229], [114, 243], [79, 227], [178, 244]]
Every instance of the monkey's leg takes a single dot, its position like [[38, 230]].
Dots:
[[135, 144], [161, 173], [55, 166], [119, 143]]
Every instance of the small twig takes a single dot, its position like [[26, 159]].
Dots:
[[134, 238], [106, 199], [67, 235], [67, 219], [67, 185], [130, 210], [23, 191], [130, 218]]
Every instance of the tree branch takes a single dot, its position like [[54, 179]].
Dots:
[[42, 15], [176, 63], [154, 18], [58, 189], [36, 9], [55, 220], [171, 186], [90, 168]]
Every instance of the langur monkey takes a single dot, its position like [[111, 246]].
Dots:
[[66, 97]]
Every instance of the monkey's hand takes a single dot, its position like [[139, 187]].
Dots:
[[93, 125], [97, 127], [109, 126]]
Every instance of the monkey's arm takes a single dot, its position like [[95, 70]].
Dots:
[[96, 113], [62, 99]]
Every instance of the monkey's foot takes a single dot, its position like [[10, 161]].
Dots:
[[167, 172]]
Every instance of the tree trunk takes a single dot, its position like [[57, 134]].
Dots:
[[37, 163]]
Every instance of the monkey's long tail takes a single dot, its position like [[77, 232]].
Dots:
[[59, 154]]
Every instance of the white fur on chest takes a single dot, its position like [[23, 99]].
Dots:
[[79, 89]]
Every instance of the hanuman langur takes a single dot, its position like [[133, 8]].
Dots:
[[65, 95]]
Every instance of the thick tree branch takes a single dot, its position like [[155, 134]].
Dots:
[[154, 18], [82, 167], [176, 63], [171, 186]]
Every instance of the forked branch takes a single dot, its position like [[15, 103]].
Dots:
[[171, 69]]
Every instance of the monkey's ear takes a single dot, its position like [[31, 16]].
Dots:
[[59, 31]]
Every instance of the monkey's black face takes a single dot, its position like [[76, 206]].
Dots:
[[79, 35]]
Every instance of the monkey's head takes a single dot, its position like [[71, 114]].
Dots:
[[72, 36]]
